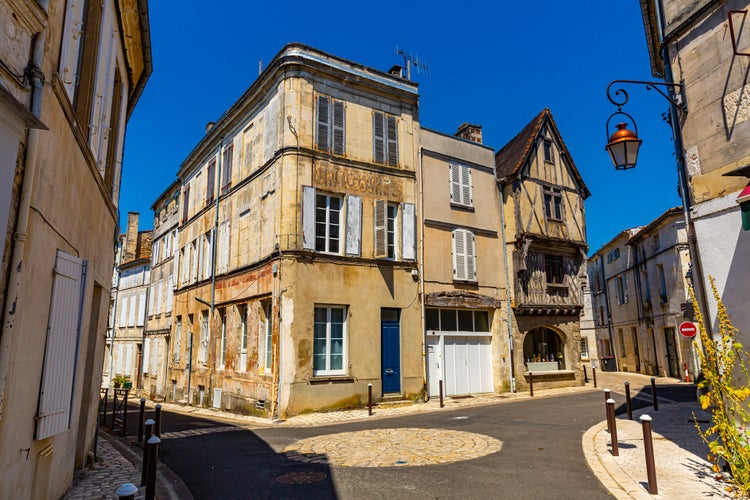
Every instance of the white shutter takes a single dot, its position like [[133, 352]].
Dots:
[[128, 369], [141, 308], [159, 289], [145, 353], [170, 293], [63, 333], [131, 311], [455, 183], [466, 185], [194, 261], [151, 298], [323, 123], [223, 257], [408, 232], [308, 218], [353, 225], [471, 262], [123, 312], [381, 226], [71, 42], [459, 255], [378, 137], [392, 135], [339, 128]]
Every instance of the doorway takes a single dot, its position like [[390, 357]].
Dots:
[[390, 351], [674, 370]]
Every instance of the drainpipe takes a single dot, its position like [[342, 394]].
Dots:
[[420, 266], [22, 222], [507, 291]]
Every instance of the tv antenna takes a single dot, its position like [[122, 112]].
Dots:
[[411, 60]]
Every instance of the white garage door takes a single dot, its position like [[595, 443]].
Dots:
[[467, 366]]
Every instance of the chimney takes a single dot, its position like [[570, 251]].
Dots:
[[131, 237], [209, 126], [396, 70], [470, 132]]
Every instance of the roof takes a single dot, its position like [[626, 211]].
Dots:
[[511, 158], [644, 230]]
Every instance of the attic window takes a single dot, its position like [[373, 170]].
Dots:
[[553, 203], [548, 155]]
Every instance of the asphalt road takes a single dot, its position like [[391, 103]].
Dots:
[[541, 455]]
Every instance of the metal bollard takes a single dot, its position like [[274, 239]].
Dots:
[[369, 399], [607, 394], [613, 429], [153, 459], [531, 384], [627, 401], [653, 394], [144, 464], [585, 375], [648, 447], [141, 414], [593, 370], [440, 384], [126, 491], [157, 421]]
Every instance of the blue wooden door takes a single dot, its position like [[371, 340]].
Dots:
[[390, 351]]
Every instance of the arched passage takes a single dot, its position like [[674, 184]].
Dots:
[[544, 345]]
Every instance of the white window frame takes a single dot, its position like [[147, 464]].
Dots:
[[242, 313], [584, 348], [464, 255], [344, 361], [461, 191], [223, 339], [268, 331], [328, 211], [392, 231]]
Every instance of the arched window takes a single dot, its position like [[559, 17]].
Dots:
[[542, 345]]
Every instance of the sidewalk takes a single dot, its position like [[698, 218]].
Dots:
[[681, 468]]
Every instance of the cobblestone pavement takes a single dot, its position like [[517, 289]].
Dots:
[[681, 469], [393, 447]]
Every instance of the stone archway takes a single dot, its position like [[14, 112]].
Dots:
[[544, 345]]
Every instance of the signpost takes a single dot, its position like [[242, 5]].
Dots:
[[688, 329]]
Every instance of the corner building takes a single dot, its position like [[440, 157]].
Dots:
[[297, 284]]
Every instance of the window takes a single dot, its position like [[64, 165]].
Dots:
[[392, 217], [242, 314], [553, 203], [584, 348], [454, 320], [210, 182], [662, 284], [331, 125], [601, 315], [60, 360], [621, 342], [464, 260], [327, 223], [548, 151], [223, 338], [460, 185], [553, 269], [226, 168], [385, 139], [268, 340], [386, 218], [203, 346], [329, 341], [83, 102], [185, 202], [177, 339], [146, 353], [222, 251], [622, 289]]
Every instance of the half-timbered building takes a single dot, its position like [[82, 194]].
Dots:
[[545, 232]]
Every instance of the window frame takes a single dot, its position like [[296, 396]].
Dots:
[[554, 208], [385, 136], [548, 152], [461, 185], [328, 342], [326, 238], [330, 125], [465, 238]]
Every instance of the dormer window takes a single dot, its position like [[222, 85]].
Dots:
[[549, 156]]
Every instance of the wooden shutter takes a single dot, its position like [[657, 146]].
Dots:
[[339, 128], [466, 185], [141, 308], [408, 232], [392, 124], [308, 218], [170, 294], [131, 311], [185, 202], [378, 137], [83, 102], [455, 183], [459, 255], [151, 299], [381, 221], [323, 122], [223, 264], [144, 355], [123, 312], [71, 43], [471, 262], [60, 350], [353, 225], [210, 181], [159, 295], [226, 174]]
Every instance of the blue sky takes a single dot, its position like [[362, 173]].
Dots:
[[493, 63]]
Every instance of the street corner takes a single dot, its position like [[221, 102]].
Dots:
[[393, 447]]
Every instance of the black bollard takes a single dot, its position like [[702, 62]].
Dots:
[[141, 414], [440, 383], [153, 458], [653, 394], [593, 370], [613, 429], [531, 384], [627, 400], [585, 375], [648, 448], [157, 421], [369, 399], [144, 465]]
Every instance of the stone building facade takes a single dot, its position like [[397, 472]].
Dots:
[[72, 71], [545, 234], [305, 192]]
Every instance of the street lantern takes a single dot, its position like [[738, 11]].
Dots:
[[623, 147]]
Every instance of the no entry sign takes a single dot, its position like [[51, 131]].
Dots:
[[688, 329]]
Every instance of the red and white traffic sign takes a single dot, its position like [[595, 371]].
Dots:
[[688, 329]]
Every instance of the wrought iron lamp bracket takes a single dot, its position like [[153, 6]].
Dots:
[[674, 93]]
